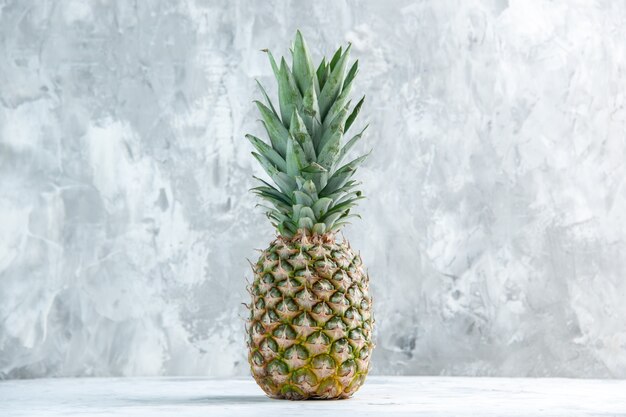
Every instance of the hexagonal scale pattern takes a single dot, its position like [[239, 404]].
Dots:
[[310, 324]]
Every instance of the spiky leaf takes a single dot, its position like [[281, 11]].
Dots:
[[268, 152], [331, 141], [354, 114], [300, 133], [336, 57], [323, 72], [346, 148], [303, 65], [341, 176], [305, 132], [275, 130], [267, 98], [295, 158], [289, 96], [333, 85], [321, 206]]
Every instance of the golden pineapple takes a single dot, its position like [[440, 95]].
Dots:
[[310, 325]]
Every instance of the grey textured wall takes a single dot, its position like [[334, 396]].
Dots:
[[495, 228]]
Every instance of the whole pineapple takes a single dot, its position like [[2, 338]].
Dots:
[[310, 325]]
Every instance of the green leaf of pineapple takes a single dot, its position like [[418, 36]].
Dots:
[[342, 99], [268, 152], [275, 68], [316, 173], [267, 98], [289, 97], [319, 229], [303, 198], [277, 133], [287, 228], [314, 168], [305, 223], [341, 176], [300, 133], [282, 207], [323, 72], [348, 196], [342, 207], [266, 164], [303, 65], [352, 72], [330, 220], [333, 85], [354, 114], [347, 188], [311, 113], [335, 59], [307, 212], [349, 145], [296, 208], [268, 190], [310, 188], [321, 206], [295, 158], [286, 183], [331, 141]]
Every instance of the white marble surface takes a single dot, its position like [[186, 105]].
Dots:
[[381, 396], [494, 231]]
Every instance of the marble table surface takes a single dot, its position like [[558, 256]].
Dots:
[[381, 396]]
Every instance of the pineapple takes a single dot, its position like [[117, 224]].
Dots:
[[310, 325]]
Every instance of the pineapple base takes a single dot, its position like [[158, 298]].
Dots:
[[310, 325]]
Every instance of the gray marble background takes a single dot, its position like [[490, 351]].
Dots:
[[495, 231]]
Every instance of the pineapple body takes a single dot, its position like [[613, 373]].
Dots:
[[310, 325]]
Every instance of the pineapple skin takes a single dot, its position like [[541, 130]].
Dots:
[[310, 325]]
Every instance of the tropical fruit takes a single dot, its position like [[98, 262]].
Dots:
[[310, 324]]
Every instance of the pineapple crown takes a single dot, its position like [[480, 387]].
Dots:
[[313, 192]]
